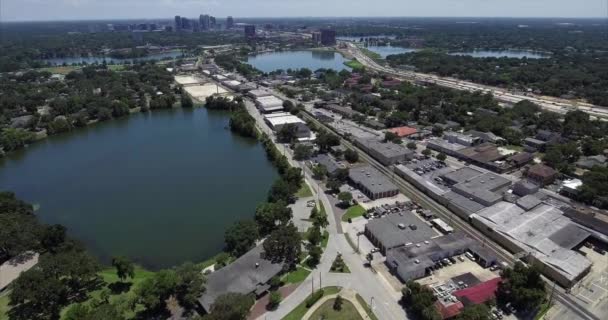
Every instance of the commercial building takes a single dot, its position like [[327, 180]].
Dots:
[[544, 233], [397, 230], [541, 174], [403, 131], [229, 22], [316, 37], [414, 261], [204, 22], [372, 182], [178, 23], [267, 104], [249, 31], [387, 153], [328, 37], [258, 93], [276, 122], [248, 274], [328, 162]]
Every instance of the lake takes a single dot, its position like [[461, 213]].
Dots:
[[358, 38], [503, 53], [160, 188], [388, 50], [313, 60], [110, 60]]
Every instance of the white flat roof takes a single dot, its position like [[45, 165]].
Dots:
[[184, 80], [233, 83], [277, 121], [278, 114]]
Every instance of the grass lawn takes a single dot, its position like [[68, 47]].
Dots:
[[365, 306], [296, 276], [356, 65], [544, 308], [109, 276], [326, 311], [353, 212], [4, 306], [325, 239], [298, 312], [371, 54], [514, 147], [304, 191], [60, 69]]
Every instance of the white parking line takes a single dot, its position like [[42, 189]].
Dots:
[[597, 285]]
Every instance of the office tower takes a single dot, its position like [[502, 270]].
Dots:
[[229, 23], [328, 37], [178, 23], [249, 31], [204, 21]]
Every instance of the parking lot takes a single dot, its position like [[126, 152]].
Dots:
[[592, 290], [462, 267]]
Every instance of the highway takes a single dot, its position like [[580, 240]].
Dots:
[[422, 199], [503, 95]]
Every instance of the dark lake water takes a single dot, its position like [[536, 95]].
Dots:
[[312, 60], [503, 53], [110, 60], [160, 188]]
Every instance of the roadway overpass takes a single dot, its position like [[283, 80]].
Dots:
[[503, 95]]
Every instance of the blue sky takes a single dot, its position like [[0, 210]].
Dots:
[[14, 10]]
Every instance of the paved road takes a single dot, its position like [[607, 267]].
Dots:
[[369, 285], [548, 103], [425, 201]]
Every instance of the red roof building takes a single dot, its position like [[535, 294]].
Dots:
[[449, 311], [479, 293], [403, 131]]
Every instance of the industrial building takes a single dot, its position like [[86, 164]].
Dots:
[[268, 104], [547, 236], [372, 182], [276, 121], [398, 229], [331, 165], [414, 261], [387, 153]]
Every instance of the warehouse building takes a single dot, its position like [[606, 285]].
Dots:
[[387, 153], [372, 182], [414, 261], [544, 233], [276, 121], [398, 229], [268, 104]]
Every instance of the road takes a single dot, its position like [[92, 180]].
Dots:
[[458, 224], [548, 103], [371, 286]]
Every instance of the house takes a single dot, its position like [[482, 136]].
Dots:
[[248, 274], [590, 162], [533, 145], [541, 174]]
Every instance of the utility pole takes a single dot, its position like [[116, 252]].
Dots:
[[320, 280], [312, 283]]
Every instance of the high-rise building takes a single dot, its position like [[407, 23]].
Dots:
[[229, 22], [186, 24], [249, 31], [328, 37], [204, 21], [178, 23], [212, 22], [316, 37]]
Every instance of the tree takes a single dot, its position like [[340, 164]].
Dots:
[[351, 156], [595, 186], [475, 312], [441, 156], [230, 306], [392, 137], [419, 300], [426, 152], [411, 145], [326, 140], [154, 291], [437, 131], [288, 133], [283, 190], [320, 220], [302, 152], [186, 100], [319, 172], [189, 285], [59, 125], [345, 198], [10, 204], [314, 235], [274, 300], [522, 287], [240, 237], [124, 268], [288, 105], [283, 244], [338, 303], [119, 109], [562, 156], [338, 265], [333, 185], [13, 139], [269, 214], [315, 253]]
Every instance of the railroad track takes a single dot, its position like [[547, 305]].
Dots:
[[426, 201]]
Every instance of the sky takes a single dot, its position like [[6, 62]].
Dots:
[[26, 10]]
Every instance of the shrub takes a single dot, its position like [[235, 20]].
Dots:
[[310, 301]]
